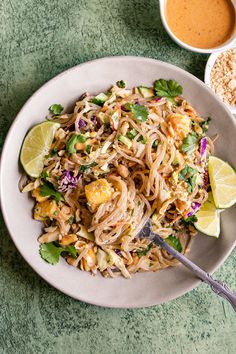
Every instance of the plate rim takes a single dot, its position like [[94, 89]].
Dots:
[[37, 270]]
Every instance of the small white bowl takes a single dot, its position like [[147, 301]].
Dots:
[[209, 65], [225, 45]]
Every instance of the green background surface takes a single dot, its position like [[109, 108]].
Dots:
[[40, 39]]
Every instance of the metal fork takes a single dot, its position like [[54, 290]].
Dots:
[[217, 286]]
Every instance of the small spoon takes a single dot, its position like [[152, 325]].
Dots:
[[217, 286]]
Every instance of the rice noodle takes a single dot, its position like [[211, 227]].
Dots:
[[142, 162]]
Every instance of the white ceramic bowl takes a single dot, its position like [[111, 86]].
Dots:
[[162, 4], [209, 65], [144, 289]]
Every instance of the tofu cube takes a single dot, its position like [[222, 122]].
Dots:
[[98, 192], [46, 209]]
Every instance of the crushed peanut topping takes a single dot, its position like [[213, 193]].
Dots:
[[223, 76]]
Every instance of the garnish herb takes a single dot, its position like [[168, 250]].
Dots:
[[88, 149], [145, 251], [191, 183], [51, 253], [70, 146], [45, 175], [86, 167], [167, 88], [186, 171], [71, 220], [189, 143], [56, 109], [205, 125], [53, 151], [174, 242], [190, 175], [47, 189], [190, 220], [140, 112], [121, 84]]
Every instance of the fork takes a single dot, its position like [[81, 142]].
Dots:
[[217, 286]]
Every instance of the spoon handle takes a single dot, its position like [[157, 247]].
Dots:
[[218, 287]]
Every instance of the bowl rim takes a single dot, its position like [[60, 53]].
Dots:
[[208, 68], [184, 45], [46, 277]]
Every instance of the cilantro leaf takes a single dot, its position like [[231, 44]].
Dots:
[[167, 88], [86, 167], [71, 220], [186, 171], [205, 125], [191, 183], [174, 242], [56, 109], [45, 175], [140, 112], [70, 146], [47, 189], [72, 250], [190, 220], [121, 84], [189, 143], [88, 149], [53, 151], [145, 251], [51, 253]]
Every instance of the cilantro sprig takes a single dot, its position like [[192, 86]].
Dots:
[[47, 189], [140, 112], [70, 146], [189, 143], [51, 253], [190, 175], [121, 84], [205, 125], [145, 251], [168, 88], [174, 242], [56, 109]]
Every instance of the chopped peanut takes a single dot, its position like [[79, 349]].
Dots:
[[98, 192], [68, 239], [93, 134], [46, 209], [36, 194], [123, 171]]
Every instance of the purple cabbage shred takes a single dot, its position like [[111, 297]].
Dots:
[[205, 179], [203, 146], [195, 207], [94, 119], [82, 123], [68, 181]]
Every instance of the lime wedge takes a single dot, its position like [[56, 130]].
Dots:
[[36, 146], [223, 182], [208, 218]]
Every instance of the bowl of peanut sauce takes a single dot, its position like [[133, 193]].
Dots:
[[203, 26]]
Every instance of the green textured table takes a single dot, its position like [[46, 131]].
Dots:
[[40, 39]]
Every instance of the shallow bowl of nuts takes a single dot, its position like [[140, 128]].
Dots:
[[220, 76]]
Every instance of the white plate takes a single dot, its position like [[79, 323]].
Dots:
[[144, 289], [209, 65]]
